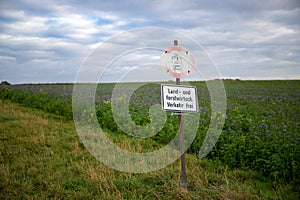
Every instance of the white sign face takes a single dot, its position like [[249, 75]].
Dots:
[[179, 98], [177, 61]]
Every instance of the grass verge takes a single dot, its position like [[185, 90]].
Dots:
[[42, 157]]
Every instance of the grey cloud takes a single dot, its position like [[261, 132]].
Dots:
[[242, 37]]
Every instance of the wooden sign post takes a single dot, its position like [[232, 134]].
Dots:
[[181, 135]]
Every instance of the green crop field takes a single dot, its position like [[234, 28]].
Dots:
[[256, 156]]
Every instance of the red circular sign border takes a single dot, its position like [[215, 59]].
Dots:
[[174, 74]]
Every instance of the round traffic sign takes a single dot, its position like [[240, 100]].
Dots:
[[177, 61]]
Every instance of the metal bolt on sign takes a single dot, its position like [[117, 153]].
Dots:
[[179, 62]]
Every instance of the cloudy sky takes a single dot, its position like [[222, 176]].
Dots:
[[48, 41]]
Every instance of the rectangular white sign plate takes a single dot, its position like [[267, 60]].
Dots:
[[179, 98]]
